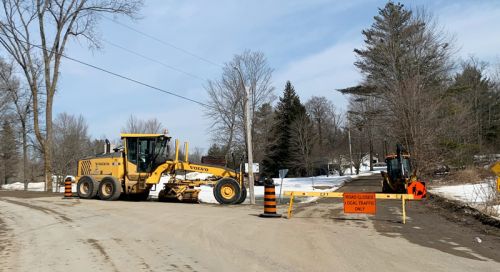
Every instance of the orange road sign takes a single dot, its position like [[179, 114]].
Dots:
[[360, 203]]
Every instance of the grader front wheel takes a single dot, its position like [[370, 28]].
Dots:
[[227, 191]]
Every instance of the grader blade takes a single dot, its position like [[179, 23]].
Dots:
[[179, 194], [189, 195]]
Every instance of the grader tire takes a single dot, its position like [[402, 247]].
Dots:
[[109, 189], [87, 187], [227, 191], [243, 195], [162, 196]]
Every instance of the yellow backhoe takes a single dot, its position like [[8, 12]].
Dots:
[[136, 168], [399, 177]]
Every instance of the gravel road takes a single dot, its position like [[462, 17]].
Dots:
[[40, 232]]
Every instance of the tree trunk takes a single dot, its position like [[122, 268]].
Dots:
[[371, 145], [47, 149], [25, 155]]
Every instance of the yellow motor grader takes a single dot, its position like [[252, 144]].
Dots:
[[136, 168]]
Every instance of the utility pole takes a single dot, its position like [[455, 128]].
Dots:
[[350, 145], [248, 122]]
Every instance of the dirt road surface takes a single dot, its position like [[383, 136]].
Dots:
[[41, 232]]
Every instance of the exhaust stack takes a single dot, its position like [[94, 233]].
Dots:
[[107, 147]]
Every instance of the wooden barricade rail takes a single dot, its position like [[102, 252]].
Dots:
[[293, 194]]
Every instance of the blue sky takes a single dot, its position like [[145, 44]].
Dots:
[[308, 42]]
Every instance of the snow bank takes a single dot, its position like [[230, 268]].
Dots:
[[316, 184], [16, 186], [481, 195], [309, 184], [34, 187]]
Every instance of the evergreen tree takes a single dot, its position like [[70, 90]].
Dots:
[[280, 149], [9, 154], [263, 121], [473, 102], [405, 61], [215, 150], [478, 92]]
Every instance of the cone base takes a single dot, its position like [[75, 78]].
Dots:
[[270, 215]]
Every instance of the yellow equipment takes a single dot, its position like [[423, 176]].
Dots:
[[496, 169], [399, 177], [134, 169]]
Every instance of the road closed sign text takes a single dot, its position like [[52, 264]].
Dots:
[[360, 203]]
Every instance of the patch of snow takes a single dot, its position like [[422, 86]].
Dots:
[[308, 184], [194, 176], [481, 195], [35, 187], [468, 193]]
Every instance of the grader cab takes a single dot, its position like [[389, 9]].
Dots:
[[134, 169]]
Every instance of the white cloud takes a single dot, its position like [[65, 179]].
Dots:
[[476, 26], [321, 73], [308, 42]]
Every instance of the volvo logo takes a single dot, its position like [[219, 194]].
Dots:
[[198, 168]]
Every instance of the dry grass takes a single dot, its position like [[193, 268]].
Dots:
[[467, 175]]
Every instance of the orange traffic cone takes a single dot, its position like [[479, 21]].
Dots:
[[270, 202]]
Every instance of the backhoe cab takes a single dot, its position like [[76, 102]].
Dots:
[[399, 177], [136, 168]]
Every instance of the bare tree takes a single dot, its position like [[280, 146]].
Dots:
[[71, 143], [4, 103], [321, 110], [153, 126], [196, 154], [303, 140], [35, 34], [21, 100], [226, 97], [135, 125]]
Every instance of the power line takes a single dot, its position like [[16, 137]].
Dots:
[[112, 73], [164, 42], [153, 60], [135, 81]]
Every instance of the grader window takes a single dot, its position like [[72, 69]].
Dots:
[[132, 150], [146, 149]]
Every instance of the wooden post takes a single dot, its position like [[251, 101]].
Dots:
[[404, 209], [290, 207]]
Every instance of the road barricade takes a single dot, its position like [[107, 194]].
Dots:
[[354, 202]]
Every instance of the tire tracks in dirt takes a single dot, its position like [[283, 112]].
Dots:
[[5, 244], [39, 208], [96, 245]]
